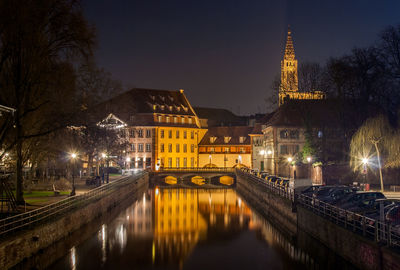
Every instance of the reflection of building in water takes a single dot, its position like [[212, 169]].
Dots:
[[139, 217], [274, 238], [182, 217]]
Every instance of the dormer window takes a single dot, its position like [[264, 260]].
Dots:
[[190, 120], [159, 118], [161, 97], [162, 107], [242, 139], [213, 139], [170, 108], [175, 119], [227, 139], [185, 108], [152, 97], [178, 109], [154, 107], [167, 119], [183, 120], [171, 98]]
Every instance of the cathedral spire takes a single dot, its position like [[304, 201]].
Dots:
[[289, 49]]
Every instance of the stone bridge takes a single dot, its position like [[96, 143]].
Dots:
[[194, 179]]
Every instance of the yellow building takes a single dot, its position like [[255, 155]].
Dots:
[[289, 87], [162, 128], [226, 147]]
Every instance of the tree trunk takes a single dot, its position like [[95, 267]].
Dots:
[[19, 192], [379, 164]]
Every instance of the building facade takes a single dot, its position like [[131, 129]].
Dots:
[[225, 147]]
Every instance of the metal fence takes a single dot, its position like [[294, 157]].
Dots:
[[371, 228], [49, 212], [279, 190], [218, 169]]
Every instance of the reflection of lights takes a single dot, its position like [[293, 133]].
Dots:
[[240, 202], [121, 237], [103, 243], [157, 191], [269, 152], [144, 200], [127, 217], [153, 252], [262, 152], [73, 258]]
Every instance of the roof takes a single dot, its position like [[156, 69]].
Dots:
[[315, 113], [234, 133], [220, 117], [138, 106]]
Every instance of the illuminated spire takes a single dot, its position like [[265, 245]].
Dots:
[[289, 49]]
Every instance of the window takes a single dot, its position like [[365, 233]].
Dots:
[[213, 139], [170, 134], [140, 147], [132, 133], [192, 148], [227, 139], [167, 119], [175, 119], [294, 134], [148, 133], [133, 147], [162, 148], [185, 162], [177, 162], [170, 148], [192, 162], [183, 120], [162, 133], [140, 133], [162, 162], [226, 149], [185, 134], [177, 147], [284, 150], [242, 150], [148, 147], [170, 162], [242, 139], [177, 134], [185, 148], [192, 135], [284, 134], [190, 120], [159, 118]]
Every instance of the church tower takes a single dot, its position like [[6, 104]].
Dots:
[[289, 78], [289, 86]]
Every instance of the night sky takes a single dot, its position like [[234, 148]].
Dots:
[[226, 53]]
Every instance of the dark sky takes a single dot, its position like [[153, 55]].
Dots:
[[226, 53]]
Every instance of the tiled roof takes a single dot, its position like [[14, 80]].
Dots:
[[233, 132], [220, 117], [137, 106]]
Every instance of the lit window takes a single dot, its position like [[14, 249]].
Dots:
[[177, 162], [159, 118], [133, 147], [170, 162], [162, 133], [213, 139], [242, 139], [175, 119], [167, 119], [190, 120], [162, 148], [140, 147], [170, 148], [185, 162], [132, 133], [148, 147], [183, 120], [192, 162], [227, 139], [140, 133]]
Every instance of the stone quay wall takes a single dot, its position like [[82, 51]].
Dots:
[[277, 209], [25, 244]]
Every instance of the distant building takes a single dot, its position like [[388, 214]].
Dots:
[[289, 87], [215, 117], [225, 147]]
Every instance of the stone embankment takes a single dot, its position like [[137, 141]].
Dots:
[[24, 244]]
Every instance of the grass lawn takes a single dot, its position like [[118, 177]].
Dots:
[[35, 194]]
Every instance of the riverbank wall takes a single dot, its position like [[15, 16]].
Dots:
[[24, 244]]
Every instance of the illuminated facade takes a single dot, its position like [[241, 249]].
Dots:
[[289, 87], [161, 126], [226, 147]]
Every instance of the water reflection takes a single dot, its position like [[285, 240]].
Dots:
[[172, 228]]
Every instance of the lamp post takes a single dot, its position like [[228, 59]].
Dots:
[[290, 159], [364, 171], [73, 157], [309, 166]]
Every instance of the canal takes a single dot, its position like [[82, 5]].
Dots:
[[187, 228]]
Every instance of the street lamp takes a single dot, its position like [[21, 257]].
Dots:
[[290, 159], [309, 166], [73, 157], [364, 162]]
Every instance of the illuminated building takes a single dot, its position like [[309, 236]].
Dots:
[[161, 126], [225, 147], [289, 87]]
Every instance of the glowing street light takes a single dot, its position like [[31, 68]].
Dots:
[[73, 157], [309, 159], [269, 152], [289, 159], [364, 161]]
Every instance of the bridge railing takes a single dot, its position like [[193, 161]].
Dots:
[[219, 169], [29, 219], [368, 227], [285, 192]]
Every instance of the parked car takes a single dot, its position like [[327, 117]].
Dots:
[[358, 197], [308, 191], [337, 193]]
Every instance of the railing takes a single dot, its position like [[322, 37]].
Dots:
[[368, 227], [29, 219], [193, 169], [285, 192]]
